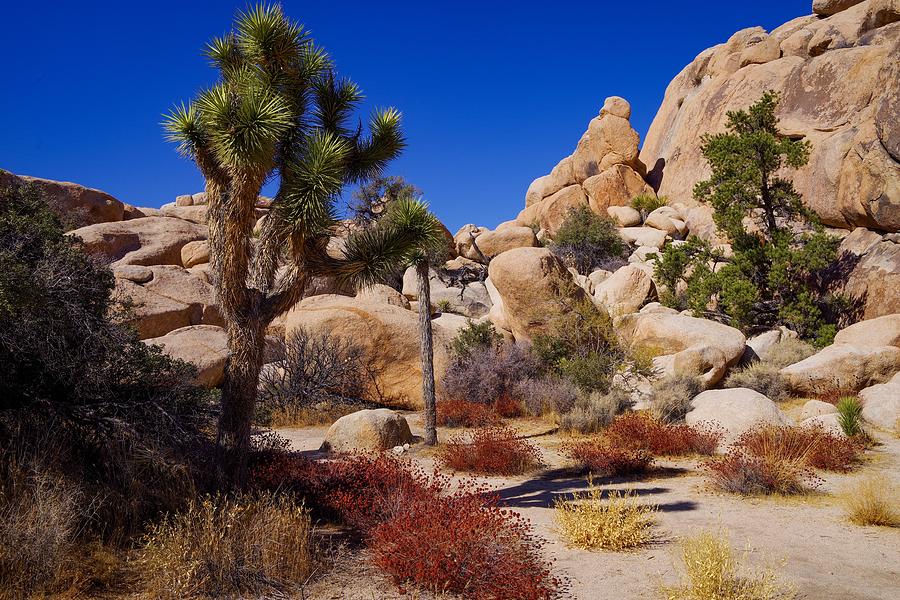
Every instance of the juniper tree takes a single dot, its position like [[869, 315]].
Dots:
[[779, 247], [279, 112]]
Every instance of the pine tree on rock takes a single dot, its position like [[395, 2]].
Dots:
[[280, 113]]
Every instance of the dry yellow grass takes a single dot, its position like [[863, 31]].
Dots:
[[713, 572], [872, 501], [229, 547], [295, 416], [589, 523]]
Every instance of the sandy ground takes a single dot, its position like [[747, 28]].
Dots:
[[806, 539]]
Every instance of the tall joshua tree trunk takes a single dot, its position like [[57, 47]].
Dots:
[[427, 348]]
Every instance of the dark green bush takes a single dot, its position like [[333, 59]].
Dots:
[[588, 241], [647, 203], [475, 336]]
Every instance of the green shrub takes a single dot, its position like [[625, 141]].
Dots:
[[670, 398], [475, 336], [595, 411], [647, 203], [588, 241], [850, 416]]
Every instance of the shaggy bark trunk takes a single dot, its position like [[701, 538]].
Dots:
[[427, 347], [245, 342]]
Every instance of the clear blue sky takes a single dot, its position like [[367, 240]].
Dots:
[[493, 93]]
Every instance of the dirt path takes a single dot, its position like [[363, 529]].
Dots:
[[806, 539]]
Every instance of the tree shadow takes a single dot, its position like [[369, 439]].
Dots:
[[562, 484]]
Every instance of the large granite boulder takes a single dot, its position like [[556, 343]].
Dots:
[[529, 282], [387, 334], [843, 367], [204, 346], [367, 431], [696, 347], [880, 331], [736, 410], [165, 298], [881, 404], [144, 241], [839, 78], [72, 202], [625, 291]]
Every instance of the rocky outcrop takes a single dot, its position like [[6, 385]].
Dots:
[[839, 78], [881, 404], [603, 171], [72, 202], [367, 431], [736, 410], [491, 243], [695, 347], [625, 291], [470, 299], [529, 282], [387, 334], [873, 261], [843, 367], [145, 241], [204, 346]]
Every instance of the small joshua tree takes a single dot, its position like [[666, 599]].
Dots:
[[279, 112]]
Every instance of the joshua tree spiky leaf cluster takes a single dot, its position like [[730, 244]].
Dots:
[[279, 112]]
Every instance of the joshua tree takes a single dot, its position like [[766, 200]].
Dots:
[[279, 112]]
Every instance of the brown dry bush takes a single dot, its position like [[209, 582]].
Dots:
[[595, 411], [872, 501], [226, 547], [492, 450], [670, 398]]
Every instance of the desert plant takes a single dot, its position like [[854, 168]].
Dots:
[[443, 306], [872, 501], [311, 369], [787, 351], [595, 411], [777, 274], [643, 432], [218, 546], [485, 374], [587, 241], [454, 412], [740, 472], [670, 397], [279, 112], [493, 450], [850, 416], [813, 446], [762, 377], [647, 203], [713, 572], [605, 460], [589, 523], [475, 336], [544, 395]]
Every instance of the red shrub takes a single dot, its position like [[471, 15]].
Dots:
[[493, 450], [605, 460], [507, 406], [834, 395], [642, 431], [814, 446], [740, 472], [464, 543], [462, 413]]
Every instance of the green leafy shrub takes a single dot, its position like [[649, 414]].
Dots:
[[475, 336], [647, 203], [595, 411], [588, 241]]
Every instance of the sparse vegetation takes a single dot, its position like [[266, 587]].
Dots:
[[587, 241], [218, 546], [588, 522], [642, 431], [485, 374], [547, 395], [761, 377], [713, 572], [740, 472], [872, 501], [813, 446], [647, 203], [475, 337], [492, 451], [595, 411], [670, 398]]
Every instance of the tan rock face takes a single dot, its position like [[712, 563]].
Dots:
[[388, 334], [527, 281], [204, 346], [624, 291], [195, 253], [736, 410], [875, 276], [881, 331], [881, 403], [844, 367], [609, 141], [367, 431], [701, 348], [550, 212], [840, 85], [615, 186], [492, 243], [84, 206], [146, 241], [826, 8]]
